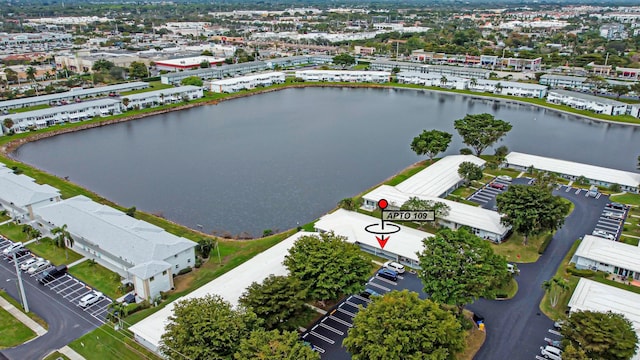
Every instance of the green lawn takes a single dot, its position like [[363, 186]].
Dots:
[[629, 240], [30, 108], [463, 192], [12, 331], [55, 356], [30, 314], [4, 216], [153, 86], [558, 311], [502, 171], [98, 277], [461, 199], [509, 290], [514, 251], [105, 343], [47, 249], [13, 232], [629, 199]]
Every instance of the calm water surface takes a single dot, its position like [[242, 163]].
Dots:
[[285, 158]]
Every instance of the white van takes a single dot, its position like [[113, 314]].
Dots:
[[551, 352], [392, 265]]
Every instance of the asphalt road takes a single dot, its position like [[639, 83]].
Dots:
[[66, 321], [516, 327]]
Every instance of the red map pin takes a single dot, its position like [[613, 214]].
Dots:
[[382, 204]]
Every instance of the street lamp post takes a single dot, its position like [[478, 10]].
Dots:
[[23, 297]]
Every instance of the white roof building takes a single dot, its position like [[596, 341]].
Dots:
[[229, 286], [402, 246], [596, 175], [594, 296], [118, 241], [187, 63], [20, 194], [614, 257], [343, 75], [483, 222], [439, 178], [246, 82], [580, 101]]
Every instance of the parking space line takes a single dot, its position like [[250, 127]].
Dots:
[[577, 191], [338, 320], [101, 309], [362, 298], [55, 281], [345, 312], [77, 290], [333, 330], [62, 283], [379, 286], [554, 332], [568, 189], [71, 286], [322, 337], [387, 281], [352, 304], [318, 349], [609, 226], [598, 196], [94, 304]]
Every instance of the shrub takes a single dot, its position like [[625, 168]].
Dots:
[[185, 270], [267, 232], [198, 262], [545, 243], [615, 188], [582, 273]]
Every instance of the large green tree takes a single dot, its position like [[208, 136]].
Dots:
[[192, 80], [469, 171], [606, 336], [206, 328], [415, 203], [531, 210], [400, 325], [138, 70], [431, 143], [63, 238], [276, 300], [273, 345], [459, 267], [328, 266], [344, 60], [481, 131]]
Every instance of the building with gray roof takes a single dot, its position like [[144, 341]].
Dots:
[[20, 194], [582, 101]]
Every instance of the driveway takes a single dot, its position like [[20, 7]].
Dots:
[[516, 328], [66, 321]]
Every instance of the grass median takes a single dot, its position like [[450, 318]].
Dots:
[[47, 249], [98, 277], [18, 306], [12, 331], [13, 232], [105, 343]]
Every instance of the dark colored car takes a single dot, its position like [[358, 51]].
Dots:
[[17, 254], [367, 293], [387, 274], [51, 274], [129, 299], [617, 206], [497, 185]]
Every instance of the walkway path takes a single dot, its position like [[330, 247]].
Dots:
[[70, 353], [22, 317], [77, 262]]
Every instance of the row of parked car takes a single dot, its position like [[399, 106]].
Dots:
[[32, 264]]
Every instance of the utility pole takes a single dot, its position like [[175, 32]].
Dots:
[[23, 297]]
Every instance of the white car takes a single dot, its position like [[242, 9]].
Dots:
[[392, 265], [603, 234], [28, 263], [505, 177], [38, 265], [613, 215], [90, 299], [9, 249]]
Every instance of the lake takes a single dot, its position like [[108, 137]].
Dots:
[[282, 159]]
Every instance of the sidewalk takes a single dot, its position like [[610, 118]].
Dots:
[[70, 353], [18, 314], [77, 262]]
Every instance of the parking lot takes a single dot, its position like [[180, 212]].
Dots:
[[486, 195], [68, 288], [326, 334]]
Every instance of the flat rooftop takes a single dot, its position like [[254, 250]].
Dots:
[[229, 286], [609, 252]]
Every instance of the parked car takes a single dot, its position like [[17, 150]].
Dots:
[[554, 343], [613, 215], [603, 234], [551, 352], [497, 185], [90, 299], [25, 265], [367, 293], [505, 177], [17, 254], [39, 265], [513, 269], [593, 191], [51, 274], [617, 206], [558, 324], [392, 265], [129, 299], [13, 247], [387, 274]]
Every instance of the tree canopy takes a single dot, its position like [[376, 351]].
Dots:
[[275, 300], [273, 345], [606, 336], [459, 267], [344, 60], [415, 203], [400, 325], [138, 70], [206, 328], [328, 266], [531, 210], [192, 80], [431, 143], [469, 171], [481, 130]]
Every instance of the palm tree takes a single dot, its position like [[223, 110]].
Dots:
[[31, 73], [473, 82], [8, 123], [498, 88], [555, 287], [443, 80], [125, 102], [63, 238], [636, 89]]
